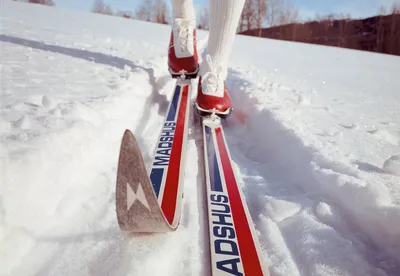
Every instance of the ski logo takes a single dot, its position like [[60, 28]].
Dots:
[[163, 152], [166, 172], [131, 196], [224, 235], [165, 142], [222, 231]]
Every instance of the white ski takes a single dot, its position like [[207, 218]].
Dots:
[[234, 245]]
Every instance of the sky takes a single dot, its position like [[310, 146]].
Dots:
[[307, 8]]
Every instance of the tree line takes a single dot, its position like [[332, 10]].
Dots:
[[41, 2], [380, 33], [280, 19], [256, 13], [150, 10]]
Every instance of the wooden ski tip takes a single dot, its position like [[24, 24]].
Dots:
[[127, 159]]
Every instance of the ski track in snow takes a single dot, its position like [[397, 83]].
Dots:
[[323, 202]]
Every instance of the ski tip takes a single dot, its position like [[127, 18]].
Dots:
[[137, 207], [130, 163], [128, 136]]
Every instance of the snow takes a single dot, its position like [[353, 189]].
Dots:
[[315, 140], [392, 165]]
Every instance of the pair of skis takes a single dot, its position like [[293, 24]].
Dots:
[[153, 203]]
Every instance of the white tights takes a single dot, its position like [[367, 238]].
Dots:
[[223, 23]]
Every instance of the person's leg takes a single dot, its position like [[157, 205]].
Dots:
[[182, 52], [224, 20]]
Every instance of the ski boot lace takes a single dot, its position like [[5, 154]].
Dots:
[[212, 77], [183, 29]]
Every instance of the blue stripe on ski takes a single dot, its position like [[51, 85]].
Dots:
[[213, 168], [156, 177], [174, 105]]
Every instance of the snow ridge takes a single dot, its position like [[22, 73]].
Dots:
[[290, 183]]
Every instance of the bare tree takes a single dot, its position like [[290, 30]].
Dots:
[[382, 10], [287, 13], [273, 8], [260, 13], [100, 7], [145, 11], [396, 8], [380, 29], [108, 9], [395, 28], [247, 16], [342, 24], [203, 20], [42, 2], [125, 14], [160, 8]]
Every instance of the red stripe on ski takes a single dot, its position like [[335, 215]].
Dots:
[[248, 251], [168, 204]]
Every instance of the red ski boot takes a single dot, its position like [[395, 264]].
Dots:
[[182, 53], [213, 96]]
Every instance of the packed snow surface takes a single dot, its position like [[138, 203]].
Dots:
[[315, 141]]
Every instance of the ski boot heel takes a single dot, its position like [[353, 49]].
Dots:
[[213, 113], [183, 74]]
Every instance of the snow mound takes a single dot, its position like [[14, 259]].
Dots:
[[24, 122], [327, 215], [391, 137], [279, 209], [392, 165], [5, 126], [48, 101], [286, 163]]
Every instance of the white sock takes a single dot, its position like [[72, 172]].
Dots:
[[224, 19], [183, 9]]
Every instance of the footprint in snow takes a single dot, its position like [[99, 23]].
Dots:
[[386, 135], [367, 167], [303, 100], [24, 122], [332, 132], [349, 125], [387, 123]]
